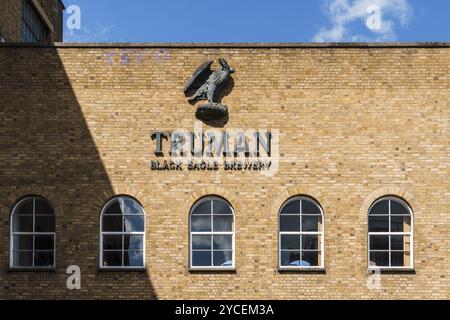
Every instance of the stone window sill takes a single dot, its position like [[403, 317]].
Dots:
[[213, 270], [122, 270], [392, 270], [302, 270], [31, 270]]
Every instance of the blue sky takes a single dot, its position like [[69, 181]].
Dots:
[[259, 20]]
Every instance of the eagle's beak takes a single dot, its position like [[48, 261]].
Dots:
[[231, 70]]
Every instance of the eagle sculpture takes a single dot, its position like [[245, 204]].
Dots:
[[206, 84]]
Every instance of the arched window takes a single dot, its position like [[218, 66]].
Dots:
[[33, 234], [212, 234], [122, 238], [390, 234], [301, 234]]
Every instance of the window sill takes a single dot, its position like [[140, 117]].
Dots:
[[392, 270], [31, 270], [143, 269], [317, 270], [213, 270]]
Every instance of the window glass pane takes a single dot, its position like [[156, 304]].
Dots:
[[290, 242], [221, 207], [201, 242], [310, 242], [200, 223], [23, 258], [33, 29], [223, 242], [133, 242], [309, 207], [310, 258], [43, 258], [113, 208], [381, 207], [23, 242], [112, 223], [223, 223], [43, 243], [26, 33], [201, 258], [130, 206], [133, 259], [290, 223], [25, 207], [112, 242], [400, 223], [202, 220], [398, 208], [23, 223], [112, 258], [134, 223], [43, 207], [311, 223], [292, 206], [397, 259], [223, 258], [378, 223], [379, 259], [45, 223], [203, 208], [397, 243], [379, 242], [290, 258]]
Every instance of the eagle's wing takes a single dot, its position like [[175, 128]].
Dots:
[[199, 77]]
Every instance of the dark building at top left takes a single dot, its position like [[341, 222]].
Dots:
[[31, 21]]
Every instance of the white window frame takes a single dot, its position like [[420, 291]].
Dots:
[[301, 233], [211, 233], [390, 233], [33, 234], [122, 233]]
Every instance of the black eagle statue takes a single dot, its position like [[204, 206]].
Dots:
[[206, 84]]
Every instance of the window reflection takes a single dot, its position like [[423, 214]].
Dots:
[[122, 233], [301, 233], [390, 234], [212, 234], [33, 234]]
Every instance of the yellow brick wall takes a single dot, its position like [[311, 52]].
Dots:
[[354, 124], [11, 19]]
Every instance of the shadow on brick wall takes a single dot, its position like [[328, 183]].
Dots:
[[47, 149]]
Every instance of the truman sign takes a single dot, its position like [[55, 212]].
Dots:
[[230, 149], [212, 150]]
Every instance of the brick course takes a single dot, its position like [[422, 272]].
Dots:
[[355, 123]]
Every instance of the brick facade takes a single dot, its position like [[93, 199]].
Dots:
[[355, 123], [11, 19]]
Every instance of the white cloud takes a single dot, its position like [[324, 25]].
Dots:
[[343, 12], [98, 33]]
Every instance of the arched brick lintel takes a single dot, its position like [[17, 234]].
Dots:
[[194, 196], [292, 192], [386, 191]]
